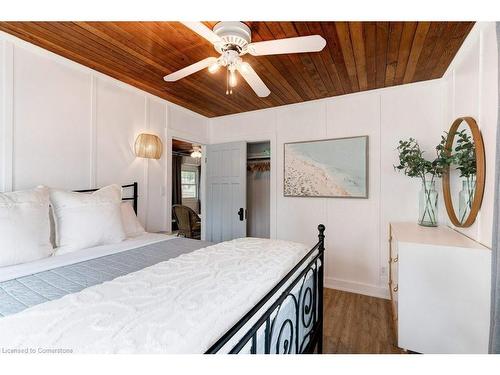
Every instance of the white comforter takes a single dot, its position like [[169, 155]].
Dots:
[[179, 306]]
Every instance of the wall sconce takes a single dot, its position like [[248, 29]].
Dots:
[[148, 146]]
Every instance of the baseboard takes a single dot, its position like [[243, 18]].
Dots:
[[354, 287]]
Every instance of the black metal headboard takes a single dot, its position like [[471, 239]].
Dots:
[[133, 198]]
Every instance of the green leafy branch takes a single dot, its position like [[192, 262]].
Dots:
[[464, 154], [413, 163]]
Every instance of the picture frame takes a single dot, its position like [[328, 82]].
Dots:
[[327, 168]]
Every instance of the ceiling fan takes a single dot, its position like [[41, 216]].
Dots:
[[233, 40]]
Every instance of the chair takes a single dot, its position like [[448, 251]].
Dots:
[[188, 221]]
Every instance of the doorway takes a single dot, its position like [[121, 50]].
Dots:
[[258, 189], [186, 191], [238, 190]]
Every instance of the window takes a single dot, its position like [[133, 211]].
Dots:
[[189, 181]]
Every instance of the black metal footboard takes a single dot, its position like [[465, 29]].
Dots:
[[293, 323]]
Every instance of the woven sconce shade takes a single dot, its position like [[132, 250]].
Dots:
[[148, 146]]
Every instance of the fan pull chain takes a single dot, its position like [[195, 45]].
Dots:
[[229, 89]]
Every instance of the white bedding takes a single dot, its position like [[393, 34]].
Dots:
[[20, 270], [179, 306]]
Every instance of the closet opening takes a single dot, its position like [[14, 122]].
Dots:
[[259, 189]]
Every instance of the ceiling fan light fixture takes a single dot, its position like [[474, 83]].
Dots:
[[214, 67], [233, 39], [232, 78], [243, 68], [196, 154]]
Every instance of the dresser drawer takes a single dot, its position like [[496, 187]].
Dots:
[[427, 268], [393, 246], [393, 288], [393, 259], [393, 282], [393, 269]]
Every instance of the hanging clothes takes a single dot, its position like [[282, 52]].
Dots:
[[258, 199]]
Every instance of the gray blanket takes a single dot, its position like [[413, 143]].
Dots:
[[21, 293]]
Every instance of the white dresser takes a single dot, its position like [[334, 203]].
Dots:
[[440, 283]]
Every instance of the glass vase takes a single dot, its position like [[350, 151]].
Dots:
[[465, 198], [428, 204]]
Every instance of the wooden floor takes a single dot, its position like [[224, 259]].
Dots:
[[354, 323]]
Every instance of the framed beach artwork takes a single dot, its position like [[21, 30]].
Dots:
[[332, 168]]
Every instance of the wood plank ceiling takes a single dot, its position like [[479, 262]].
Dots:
[[358, 56], [182, 146]]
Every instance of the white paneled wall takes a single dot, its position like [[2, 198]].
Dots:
[[67, 126], [46, 120], [117, 109], [297, 218], [157, 170], [357, 230], [472, 90], [3, 118], [356, 257], [6, 117]]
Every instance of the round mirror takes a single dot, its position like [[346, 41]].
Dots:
[[463, 180]]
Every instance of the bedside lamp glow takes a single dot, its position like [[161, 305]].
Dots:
[[148, 146]]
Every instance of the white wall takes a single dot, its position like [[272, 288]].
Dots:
[[68, 126], [65, 125], [357, 230], [472, 90], [356, 257]]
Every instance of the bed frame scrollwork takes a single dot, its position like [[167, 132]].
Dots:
[[292, 323]]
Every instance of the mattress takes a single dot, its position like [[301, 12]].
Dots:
[[179, 305], [23, 292], [59, 260]]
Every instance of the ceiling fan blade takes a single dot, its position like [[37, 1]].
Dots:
[[311, 43], [253, 80], [203, 31], [190, 69]]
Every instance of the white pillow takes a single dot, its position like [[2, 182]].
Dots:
[[24, 226], [86, 220], [131, 224]]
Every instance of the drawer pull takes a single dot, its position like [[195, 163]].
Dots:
[[395, 289], [396, 259]]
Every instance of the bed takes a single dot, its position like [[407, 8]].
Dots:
[[163, 294]]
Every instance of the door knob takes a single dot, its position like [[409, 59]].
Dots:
[[240, 213]]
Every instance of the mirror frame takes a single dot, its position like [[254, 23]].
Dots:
[[480, 175]]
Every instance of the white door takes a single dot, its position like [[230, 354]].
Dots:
[[226, 166]]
